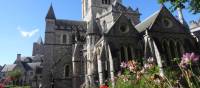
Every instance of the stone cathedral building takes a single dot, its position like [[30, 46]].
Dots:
[[77, 53]]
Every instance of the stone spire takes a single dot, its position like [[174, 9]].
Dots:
[[40, 41], [50, 14]]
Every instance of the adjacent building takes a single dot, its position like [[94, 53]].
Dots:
[[29, 67]]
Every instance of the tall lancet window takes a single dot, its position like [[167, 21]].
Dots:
[[106, 2], [103, 1], [129, 53], [122, 54], [66, 71], [64, 39], [104, 26]]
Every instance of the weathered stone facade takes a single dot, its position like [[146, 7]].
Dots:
[[77, 53]]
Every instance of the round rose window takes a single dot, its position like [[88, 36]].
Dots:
[[124, 28], [167, 23]]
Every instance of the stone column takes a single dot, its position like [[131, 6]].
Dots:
[[155, 52], [111, 67], [100, 70], [76, 68], [158, 58]]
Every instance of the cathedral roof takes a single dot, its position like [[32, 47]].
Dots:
[[147, 22], [150, 21], [195, 29], [93, 28], [69, 24], [50, 14]]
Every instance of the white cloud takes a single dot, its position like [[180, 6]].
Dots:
[[27, 34]]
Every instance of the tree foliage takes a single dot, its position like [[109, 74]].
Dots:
[[192, 5], [15, 74]]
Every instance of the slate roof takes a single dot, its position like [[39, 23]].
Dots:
[[69, 24], [50, 14], [148, 22], [8, 68], [195, 30]]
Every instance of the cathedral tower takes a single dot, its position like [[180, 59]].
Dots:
[[91, 7]]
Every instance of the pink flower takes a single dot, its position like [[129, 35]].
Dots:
[[188, 58], [123, 65], [132, 65], [150, 60], [97, 81]]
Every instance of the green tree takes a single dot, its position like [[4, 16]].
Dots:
[[16, 74], [192, 5]]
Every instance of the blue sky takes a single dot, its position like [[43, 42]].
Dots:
[[22, 21]]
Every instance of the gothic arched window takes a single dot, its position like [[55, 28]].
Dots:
[[165, 51], [108, 2], [66, 71], [122, 54], [129, 53], [64, 39], [103, 1], [179, 49], [172, 49], [104, 25]]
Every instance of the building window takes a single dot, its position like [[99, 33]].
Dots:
[[108, 1], [122, 54], [105, 1], [129, 53], [66, 71], [167, 23], [64, 39], [124, 28]]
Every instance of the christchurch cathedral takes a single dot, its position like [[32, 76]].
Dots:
[[82, 54]]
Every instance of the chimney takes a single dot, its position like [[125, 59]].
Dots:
[[18, 56]]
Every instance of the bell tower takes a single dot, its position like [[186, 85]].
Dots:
[[91, 7]]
